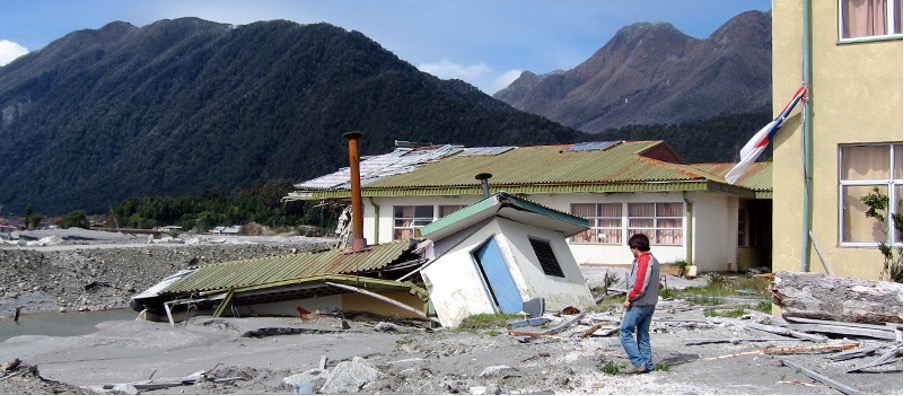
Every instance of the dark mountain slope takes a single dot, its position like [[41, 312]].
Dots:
[[181, 106], [654, 74]]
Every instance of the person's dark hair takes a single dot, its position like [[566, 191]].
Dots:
[[639, 241]]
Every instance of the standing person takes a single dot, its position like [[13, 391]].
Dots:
[[643, 294]]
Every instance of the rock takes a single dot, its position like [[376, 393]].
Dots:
[[349, 377], [495, 370], [315, 378], [386, 327], [124, 389]]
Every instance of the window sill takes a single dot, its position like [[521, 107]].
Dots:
[[870, 39]]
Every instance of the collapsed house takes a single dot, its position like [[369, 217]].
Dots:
[[502, 254]]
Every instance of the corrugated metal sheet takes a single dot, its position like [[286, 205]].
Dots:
[[547, 165], [267, 270], [758, 178], [375, 167]]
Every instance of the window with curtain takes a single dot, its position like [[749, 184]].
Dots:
[[662, 222], [408, 219], [869, 18], [445, 210], [864, 168], [605, 222]]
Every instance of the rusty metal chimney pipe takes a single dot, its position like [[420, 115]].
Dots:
[[358, 241], [485, 183]]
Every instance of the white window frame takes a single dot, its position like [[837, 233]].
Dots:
[[893, 181], [415, 221], [625, 223], [890, 25], [595, 227]]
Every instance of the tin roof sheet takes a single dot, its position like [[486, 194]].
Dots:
[[262, 271]]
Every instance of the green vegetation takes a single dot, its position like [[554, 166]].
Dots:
[[610, 368], [259, 204], [730, 313], [76, 218], [877, 208], [661, 367], [491, 322]]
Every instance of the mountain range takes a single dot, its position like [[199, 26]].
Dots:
[[652, 73], [183, 106]]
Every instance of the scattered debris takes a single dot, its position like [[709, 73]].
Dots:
[[821, 378]]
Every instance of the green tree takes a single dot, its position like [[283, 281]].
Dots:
[[28, 210], [877, 204], [75, 218]]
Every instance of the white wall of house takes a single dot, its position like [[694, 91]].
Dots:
[[715, 231], [457, 289], [713, 225]]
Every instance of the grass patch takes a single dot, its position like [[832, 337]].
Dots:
[[408, 339], [720, 287], [610, 368], [476, 323], [731, 313], [661, 367], [764, 306]]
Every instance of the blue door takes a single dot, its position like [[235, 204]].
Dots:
[[497, 277]]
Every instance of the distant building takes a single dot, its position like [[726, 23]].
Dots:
[[621, 188]]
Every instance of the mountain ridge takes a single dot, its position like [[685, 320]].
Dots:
[[651, 73]]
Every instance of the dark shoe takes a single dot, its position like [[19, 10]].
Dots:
[[638, 369]]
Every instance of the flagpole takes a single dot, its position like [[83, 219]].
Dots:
[[806, 138]]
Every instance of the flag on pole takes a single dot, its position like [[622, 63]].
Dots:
[[752, 150]]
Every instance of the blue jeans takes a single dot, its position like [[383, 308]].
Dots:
[[638, 317]]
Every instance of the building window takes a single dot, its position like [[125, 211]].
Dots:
[[408, 219], [445, 210], [742, 227], [863, 169], [869, 18], [547, 258], [663, 223], [605, 222]]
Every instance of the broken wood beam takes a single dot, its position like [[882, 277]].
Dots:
[[384, 299], [845, 330], [856, 353], [847, 390], [789, 350], [703, 341], [827, 297], [886, 358]]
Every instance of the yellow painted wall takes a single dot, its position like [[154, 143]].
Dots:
[[856, 92]]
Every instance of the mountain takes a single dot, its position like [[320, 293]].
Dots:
[[181, 106], [651, 73]]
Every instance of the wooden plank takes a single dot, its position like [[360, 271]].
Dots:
[[847, 390], [885, 327], [886, 358], [844, 330]]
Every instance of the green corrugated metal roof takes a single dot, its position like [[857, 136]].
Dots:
[[271, 270], [624, 167], [546, 165], [489, 206]]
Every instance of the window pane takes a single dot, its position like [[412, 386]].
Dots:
[[610, 235], [668, 237], [641, 210], [423, 211], [856, 227], [669, 223], [671, 209], [610, 210], [446, 210], [864, 162], [584, 210], [640, 223], [899, 174], [610, 223], [864, 18], [898, 209], [584, 237]]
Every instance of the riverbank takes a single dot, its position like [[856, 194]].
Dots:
[[94, 270]]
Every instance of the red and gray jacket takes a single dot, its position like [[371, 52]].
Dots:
[[643, 283]]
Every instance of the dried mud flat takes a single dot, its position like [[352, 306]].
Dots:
[[411, 360]]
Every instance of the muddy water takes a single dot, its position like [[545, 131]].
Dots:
[[60, 324]]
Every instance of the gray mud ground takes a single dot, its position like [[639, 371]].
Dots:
[[413, 360]]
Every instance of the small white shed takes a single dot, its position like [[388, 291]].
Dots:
[[493, 255]]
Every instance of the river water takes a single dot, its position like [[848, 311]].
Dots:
[[60, 324]]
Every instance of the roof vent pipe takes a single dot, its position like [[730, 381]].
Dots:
[[485, 182], [358, 240]]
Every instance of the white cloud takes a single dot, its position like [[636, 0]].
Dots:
[[447, 69], [480, 74], [505, 79], [9, 51]]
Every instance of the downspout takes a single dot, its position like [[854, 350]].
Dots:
[[806, 137], [376, 219], [688, 242]]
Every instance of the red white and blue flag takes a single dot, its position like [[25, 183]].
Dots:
[[752, 150]]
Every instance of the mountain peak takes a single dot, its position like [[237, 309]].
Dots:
[[652, 73]]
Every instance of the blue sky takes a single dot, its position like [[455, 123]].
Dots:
[[487, 43]]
